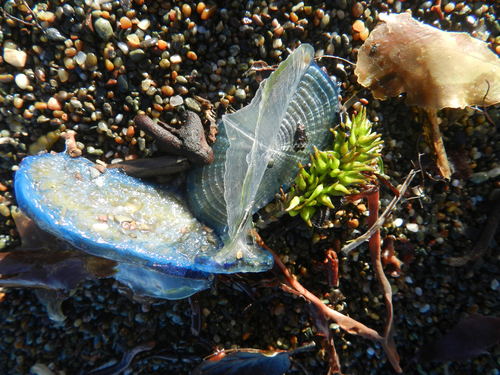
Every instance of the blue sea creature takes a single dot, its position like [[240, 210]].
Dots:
[[161, 249], [147, 229], [257, 151]]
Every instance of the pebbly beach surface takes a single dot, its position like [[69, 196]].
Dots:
[[91, 66]]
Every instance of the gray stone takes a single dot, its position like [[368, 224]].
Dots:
[[103, 28]]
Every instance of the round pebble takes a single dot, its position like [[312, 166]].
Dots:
[[412, 227], [103, 28], [357, 10], [176, 100], [22, 81]]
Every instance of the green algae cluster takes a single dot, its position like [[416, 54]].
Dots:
[[350, 164]]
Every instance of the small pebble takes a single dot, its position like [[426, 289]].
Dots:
[[14, 57], [479, 177], [424, 308], [412, 227], [54, 105], [398, 222], [492, 173], [103, 28], [176, 100], [495, 284], [22, 81]]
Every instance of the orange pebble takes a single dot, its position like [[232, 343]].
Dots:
[[130, 131], [125, 23], [186, 10], [358, 26], [53, 104], [119, 140], [162, 44], [192, 56], [200, 7], [208, 12], [131, 157], [167, 90], [363, 35], [172, 15], [109, 65]]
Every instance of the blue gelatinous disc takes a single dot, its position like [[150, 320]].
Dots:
[[112, 215]]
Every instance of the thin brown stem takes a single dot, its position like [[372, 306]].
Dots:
[[375, 253], [437, 144]]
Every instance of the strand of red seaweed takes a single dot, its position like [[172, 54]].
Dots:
[[375, 248], [348, 324]]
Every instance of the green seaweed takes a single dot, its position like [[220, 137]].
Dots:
[[351, 163]]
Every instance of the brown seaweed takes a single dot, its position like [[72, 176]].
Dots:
[[471, 337], [435, 68]]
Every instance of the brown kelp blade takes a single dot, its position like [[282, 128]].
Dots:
[[435, 68]]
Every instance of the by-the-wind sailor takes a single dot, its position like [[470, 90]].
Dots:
[[257, 151], [114, 216]]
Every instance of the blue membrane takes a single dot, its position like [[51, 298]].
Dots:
[[145, 228]]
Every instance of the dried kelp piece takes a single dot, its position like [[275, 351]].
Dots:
[[59, 270], [128, 356], [471, 337], [247, 361], [436, 69]]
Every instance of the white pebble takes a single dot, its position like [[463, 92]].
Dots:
[[398, 222], [14, 57], [412, 227], [424, 308], [118, 118], [418, 291], [455, 183], [176, 100], [144, 24], [123, 47], [495, 284], [80, 58], [409, 280], [41, 369], [494, 172], [22, 81], [370, 352]]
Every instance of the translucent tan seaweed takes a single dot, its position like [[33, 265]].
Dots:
[[436, 69]]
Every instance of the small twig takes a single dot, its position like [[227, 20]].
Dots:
[[436, 141], [484, 104], [126, 360], [335, 58], [150, 167], [376, 226], [33, 24]]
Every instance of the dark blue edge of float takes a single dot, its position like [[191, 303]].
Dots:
[[28, 201]]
